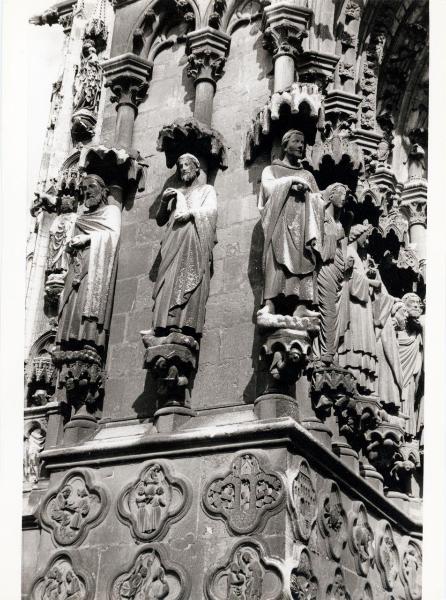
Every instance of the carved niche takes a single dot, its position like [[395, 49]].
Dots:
[[76, 506], [303, 502], [332, 520], [361, 539], [153, 501], [387, 556], [62, 581], [411, 569], [150, 575], [245, 573], [246, 496], [337, 589], [303, 584]]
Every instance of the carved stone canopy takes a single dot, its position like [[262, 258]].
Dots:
[[128, 76], [207, 50], [115, 166], [190, 136]]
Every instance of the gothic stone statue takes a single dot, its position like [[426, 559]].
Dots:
[[292, 219], [357, 341], [331, 272], [410, 342], [84, 310], [87, 83], [182, 285]]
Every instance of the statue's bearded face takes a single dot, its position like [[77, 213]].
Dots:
[[294, 148], [187, 169], [93, 192], [414, 307], [338, 197]]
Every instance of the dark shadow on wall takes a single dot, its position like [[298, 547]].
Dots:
[[147, 402]]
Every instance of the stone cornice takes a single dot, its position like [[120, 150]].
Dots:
[[338, 101], [285, 432]]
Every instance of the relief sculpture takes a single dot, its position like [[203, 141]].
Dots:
[[63, 580], [153, 501], [246, 496], [303, 502]]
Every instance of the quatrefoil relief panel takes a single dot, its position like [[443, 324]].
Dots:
[[302, 503], [153, 501], [332, 520], [361, 539], [246, 496], [151, 574], [60, 580], [303, 583], [387, 556], [76, 506], [337, 590], [246, 573], [411, 569]]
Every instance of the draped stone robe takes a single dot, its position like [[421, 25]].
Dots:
[[182, 285], [293, 228], [410, 345], [85, 305], [357, 342], [390, 375]]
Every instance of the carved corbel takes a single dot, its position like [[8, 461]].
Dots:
[[382, 447], [128, 78], [207, 50], [61, 13]]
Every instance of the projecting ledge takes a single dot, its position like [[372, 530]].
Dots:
[[274, 432]]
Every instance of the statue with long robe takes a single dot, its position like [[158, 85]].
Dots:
[[357, 341], [85, 304], [410, 342], [292, 215], [389, 315], [182, 284], [331, 273]]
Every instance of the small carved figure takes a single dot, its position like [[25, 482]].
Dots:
[[33, 446], [84, 309], [410, 342], [87, 82], [182, 285], [331, 272], [357, 342], [292, 219], [61, 231]]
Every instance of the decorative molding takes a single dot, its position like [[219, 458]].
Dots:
[[153, 501], [245, 572], [246, 496], [77, 505]]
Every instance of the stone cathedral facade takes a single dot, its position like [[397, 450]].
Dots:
[[225, 303]]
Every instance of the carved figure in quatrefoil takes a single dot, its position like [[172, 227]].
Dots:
[[361, 538], [76, 506], [411, 569], [246, 574], [387, 556], [62, 581], [153, 501], [303, 584], [303, 502], [246, 495], [151, 576], [332, 520]]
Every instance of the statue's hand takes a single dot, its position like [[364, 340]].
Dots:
[[168, 194], [182, 217], [300, 186], [78, 241], [375, 284]]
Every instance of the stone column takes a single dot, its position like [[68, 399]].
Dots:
[[128, 78], [414, 200], [284, 27], [207, 49]]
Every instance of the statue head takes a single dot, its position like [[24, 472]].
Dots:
[[293, 145], [336, 194], [399, 314], [360, 233], [188, 168], [95, 191], [413, 304]]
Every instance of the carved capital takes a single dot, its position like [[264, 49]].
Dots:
[[128, 78], [284, 28], [416, 212], [207, 50]]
